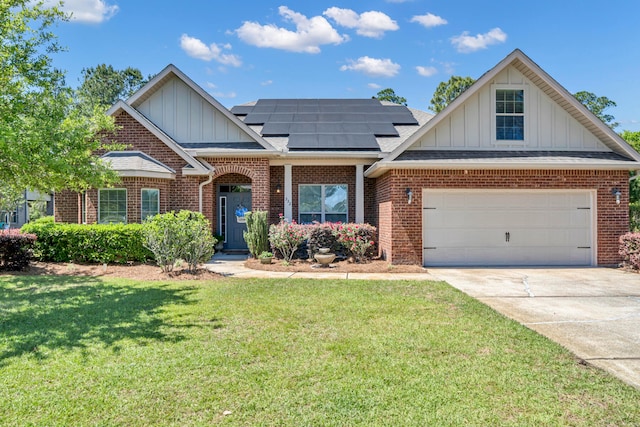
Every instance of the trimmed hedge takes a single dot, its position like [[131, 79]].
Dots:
[[15, 249], [630, 250], [82, 243]]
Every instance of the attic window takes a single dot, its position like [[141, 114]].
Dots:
[[509, 114]]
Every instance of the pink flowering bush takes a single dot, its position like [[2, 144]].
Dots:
[[286, 237], [630, 250], [358, 239]]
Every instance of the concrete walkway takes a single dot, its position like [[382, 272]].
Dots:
[[232, 265]]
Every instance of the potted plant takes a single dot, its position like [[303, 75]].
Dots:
[[265, 257], [219, 242]]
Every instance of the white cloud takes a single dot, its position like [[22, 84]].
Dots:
[[195, 48], [372, 67], [86, 11], [426, 71], [367, 24], [465, 43], [266, 83], [429, 20], [309, 35], [374, 86]]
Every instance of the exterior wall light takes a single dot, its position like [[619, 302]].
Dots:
[[615, 192], [278, 188], [409, 195]]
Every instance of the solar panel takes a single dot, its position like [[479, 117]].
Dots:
[[327, 124]]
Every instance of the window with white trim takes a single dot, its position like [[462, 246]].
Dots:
[[509, 114], [149, 202], [112, 205], [323, 203]]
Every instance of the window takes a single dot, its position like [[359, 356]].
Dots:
[[510, 115], [112, 205], [323, 203], [149, 202]]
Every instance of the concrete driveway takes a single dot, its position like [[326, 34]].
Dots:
[[593, 312]]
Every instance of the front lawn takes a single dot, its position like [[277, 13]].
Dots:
[[86, 351]]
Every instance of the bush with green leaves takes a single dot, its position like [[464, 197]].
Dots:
[[257, 233], [323, 236], [87, 243], [15, 249], [634, 216], [185, 235]]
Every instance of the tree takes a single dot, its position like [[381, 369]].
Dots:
[[45, 143], [633, 138], [389, 94], [597, 105], [103, 85], [447, 91]]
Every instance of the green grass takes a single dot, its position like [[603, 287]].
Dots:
[[78, 351]]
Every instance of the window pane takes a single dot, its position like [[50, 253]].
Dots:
[[113, 206], [510, 128], [150, 203], [335, 198], [310, 218], [310, 198], [336, 218]]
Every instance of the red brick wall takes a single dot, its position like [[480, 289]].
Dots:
[[66, 207], [400, 224], [277, 199]]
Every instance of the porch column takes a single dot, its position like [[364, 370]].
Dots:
[[288, 193], [359, 193]]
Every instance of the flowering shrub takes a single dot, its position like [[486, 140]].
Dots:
[[630, 250], [286, 237], [358, 239]]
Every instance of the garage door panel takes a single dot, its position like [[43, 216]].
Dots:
[[508, 228]]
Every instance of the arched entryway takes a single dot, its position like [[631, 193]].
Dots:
[[233, 198]]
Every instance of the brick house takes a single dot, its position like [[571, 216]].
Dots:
[[515, 171]]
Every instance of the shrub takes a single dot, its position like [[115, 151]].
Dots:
[[161, 233], [185, 235], [630, 250], [197, 242], [323, 236], [286, 237], [634, 216], [358, 239], [15, 249], [257, 233], [94, 243]]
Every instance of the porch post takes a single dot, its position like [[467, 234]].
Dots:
[[359, 193], [288, 193]]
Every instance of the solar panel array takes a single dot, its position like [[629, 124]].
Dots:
[[326, 124]]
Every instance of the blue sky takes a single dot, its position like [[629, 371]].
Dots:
[[246, 50]]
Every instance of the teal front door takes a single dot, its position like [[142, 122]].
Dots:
[[233, 201]]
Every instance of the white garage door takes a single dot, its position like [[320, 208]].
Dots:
[[499, 228]]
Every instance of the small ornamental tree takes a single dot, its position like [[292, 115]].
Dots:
[[286, 237], [196, 239]]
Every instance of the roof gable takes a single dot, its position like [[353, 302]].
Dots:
[[190, 115], [554, 120]]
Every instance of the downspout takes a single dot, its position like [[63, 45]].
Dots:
[[201, 186]]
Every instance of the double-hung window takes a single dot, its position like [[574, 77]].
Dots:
[[112, 205], [149, 202], [509, 114], [323, 203]]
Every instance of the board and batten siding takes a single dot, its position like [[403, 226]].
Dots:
[[547, 125], [187, 117]]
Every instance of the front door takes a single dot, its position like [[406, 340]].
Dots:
[[233, 202]]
